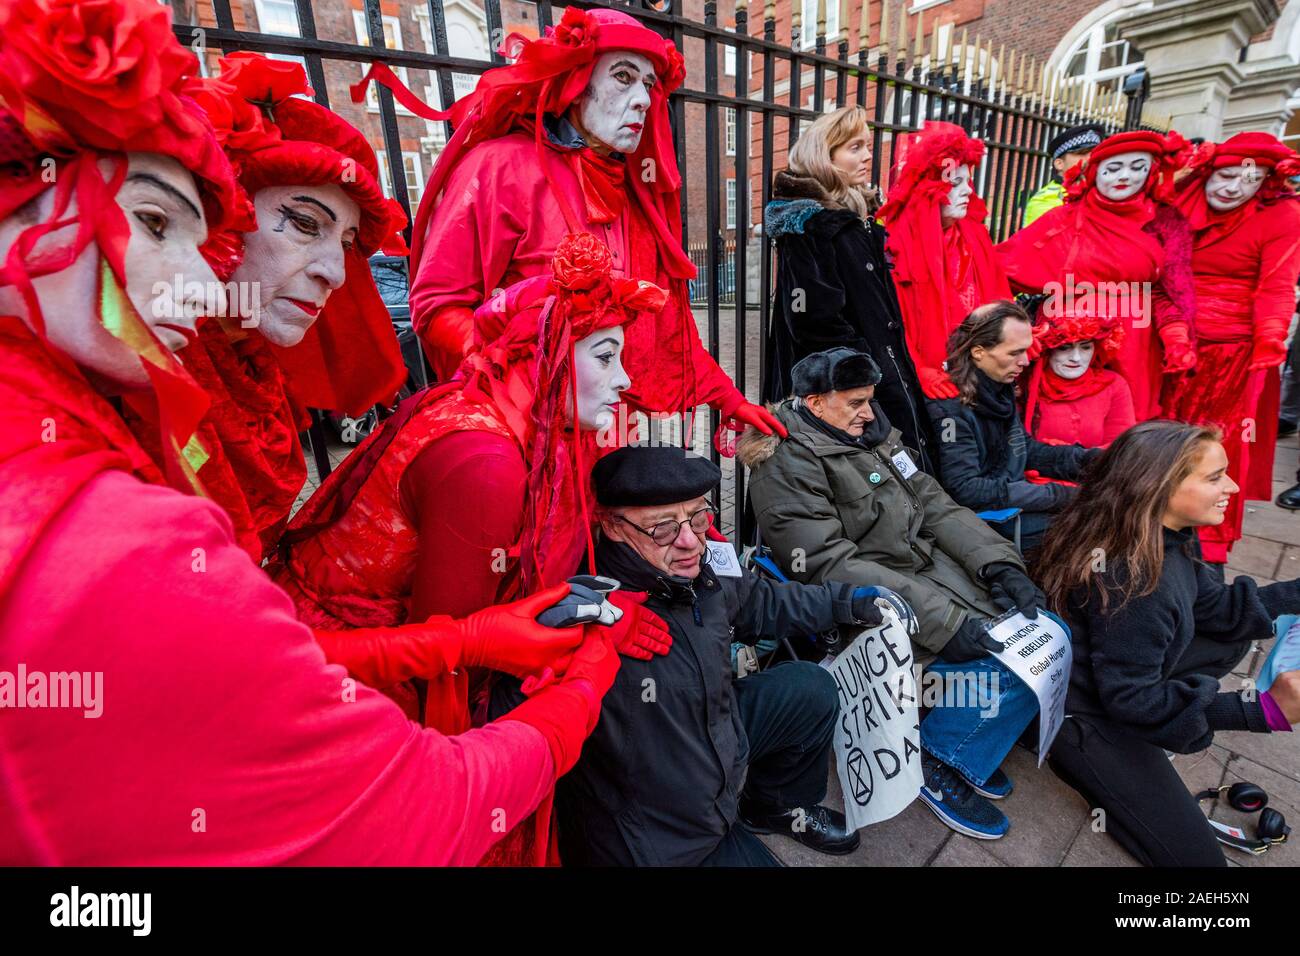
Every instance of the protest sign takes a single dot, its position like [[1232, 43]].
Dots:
[[1038, 652], [878, 733]]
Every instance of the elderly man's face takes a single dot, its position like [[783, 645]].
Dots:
[[848, 410], [636, 527]]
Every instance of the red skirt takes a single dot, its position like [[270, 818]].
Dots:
[[1223, 392]]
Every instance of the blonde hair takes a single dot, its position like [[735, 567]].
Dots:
[[811, 156]]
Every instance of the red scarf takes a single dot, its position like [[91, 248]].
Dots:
[[602, 185], [59, 434]]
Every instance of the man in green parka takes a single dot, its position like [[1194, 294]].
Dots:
[[841, 499]]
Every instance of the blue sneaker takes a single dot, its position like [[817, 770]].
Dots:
[[955, 802], [997, 786]]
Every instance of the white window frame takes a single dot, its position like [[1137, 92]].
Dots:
[[1094, 40], [809, 23], [730, 189], [413, 164], [363, 38], [262, 18], [730, 130]]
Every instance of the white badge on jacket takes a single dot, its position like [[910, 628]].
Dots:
[[723, 560], [903, 462]]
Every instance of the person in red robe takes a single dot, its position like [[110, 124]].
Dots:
[[1073, 398], [571, 137], [1116, 247], [944, 265], [476, 491], [304, 325], [1245, 259], [114, 568]]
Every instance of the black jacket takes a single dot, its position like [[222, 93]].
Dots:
[[659, 777], [983, 460], [834, 288], [1123, 659]]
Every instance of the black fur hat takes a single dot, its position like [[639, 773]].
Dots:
[[834, 370]]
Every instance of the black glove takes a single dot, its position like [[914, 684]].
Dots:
[[970, 643], [1062, 495], [865, 611], [1089, 456], [1011, 588], [584, 604]]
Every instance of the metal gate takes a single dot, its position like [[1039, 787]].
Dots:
[[743, 86]]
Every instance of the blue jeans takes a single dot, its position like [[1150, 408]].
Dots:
[[977, 718]]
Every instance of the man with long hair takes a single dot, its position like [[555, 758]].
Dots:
[[983, 447]]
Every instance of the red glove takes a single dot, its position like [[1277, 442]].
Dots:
[[566, 712], [503, 637], [640, 632], [935, 383], [760, 418], [384, 656], [1180, 350], [1267, 353]]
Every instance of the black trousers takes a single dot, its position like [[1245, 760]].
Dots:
[[788, 713], [1148, 808]]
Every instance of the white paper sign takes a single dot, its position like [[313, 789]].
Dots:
[[878, 731], [723, 560], [1038, 652], [903, 462]]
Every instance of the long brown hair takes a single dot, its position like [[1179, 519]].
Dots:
[[811, 156], [1115, 521], [983, 327]]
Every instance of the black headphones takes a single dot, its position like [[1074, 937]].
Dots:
[[1248, 798]]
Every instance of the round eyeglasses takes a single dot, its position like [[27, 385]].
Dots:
[[666, 532]]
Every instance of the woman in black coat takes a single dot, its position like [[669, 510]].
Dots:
[[833, 284], [1153, 632]]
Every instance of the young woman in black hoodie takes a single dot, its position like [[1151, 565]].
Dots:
[[1153, 632], [833, 281]]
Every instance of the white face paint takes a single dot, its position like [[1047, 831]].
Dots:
[[1229, 187], [612, 110], [598, 369], [164, 216], [1071, 361], [958, 201], [1123, 175], [295, 259]]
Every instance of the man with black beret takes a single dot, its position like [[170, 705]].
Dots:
[[841, 499], [687, 763], [1070, 146]]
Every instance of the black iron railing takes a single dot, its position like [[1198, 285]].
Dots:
[[1011, 103]]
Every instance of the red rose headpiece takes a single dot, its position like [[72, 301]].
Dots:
[[349, 360], [1079, 324]]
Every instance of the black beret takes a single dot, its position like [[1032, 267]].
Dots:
[[652, 475], [834, 370], [1075, 139]]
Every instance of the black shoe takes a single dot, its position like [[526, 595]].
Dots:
[[1285, 427], [1290, 499], [817, 827]]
